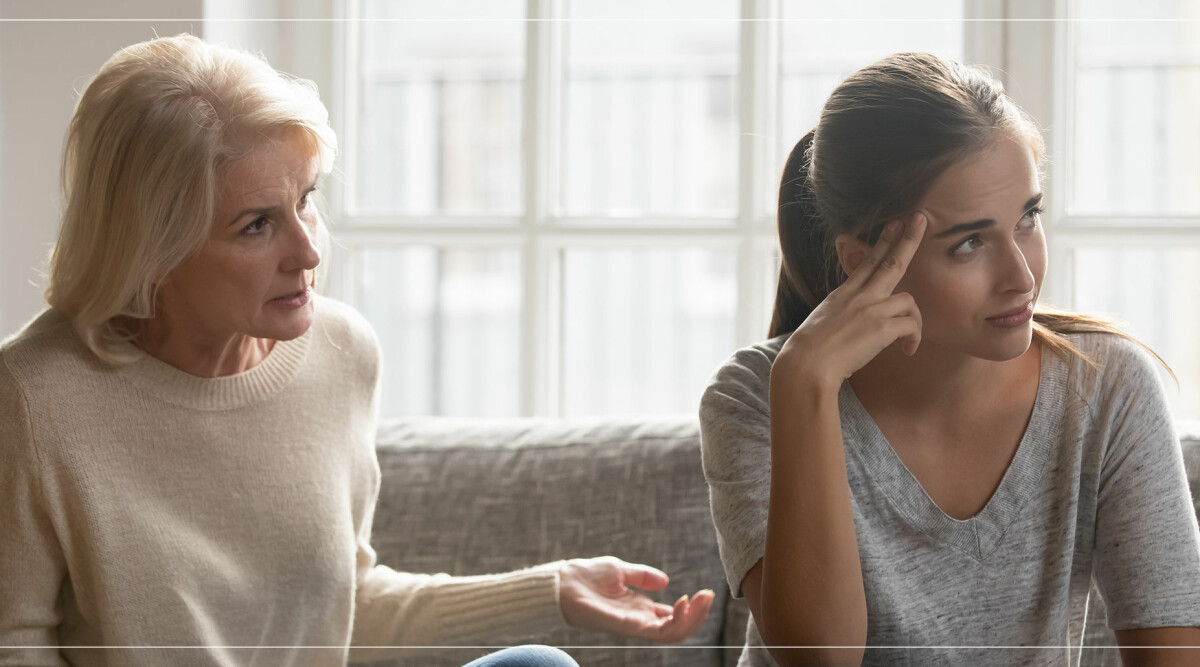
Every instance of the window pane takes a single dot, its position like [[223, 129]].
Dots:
[[1136, 144], [839, 38], [439, 107], [650, 124], [448, 322], [1153, 294], [644, 328]]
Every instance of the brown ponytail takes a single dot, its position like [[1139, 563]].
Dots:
[[885, 135], [805, 275]]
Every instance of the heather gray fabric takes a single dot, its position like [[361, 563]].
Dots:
[[479, 496], [1097, 484]]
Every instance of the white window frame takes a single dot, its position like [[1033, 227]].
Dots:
[[1016, 38], [1054, 99]]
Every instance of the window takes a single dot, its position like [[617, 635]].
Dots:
[[566, 207], [1127, 213]]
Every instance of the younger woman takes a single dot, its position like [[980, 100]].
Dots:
[[918, 459]]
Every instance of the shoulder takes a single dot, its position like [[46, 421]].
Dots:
[[342, 320], [742, 380], [344, 327], [43, 364], [1121, 366], [344, 346], [45, 350]]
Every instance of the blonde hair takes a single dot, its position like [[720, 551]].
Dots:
[[142, 169]]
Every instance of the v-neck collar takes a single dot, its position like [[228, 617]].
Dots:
[[979, 535]]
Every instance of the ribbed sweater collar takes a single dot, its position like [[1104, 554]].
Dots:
[[221, 393]]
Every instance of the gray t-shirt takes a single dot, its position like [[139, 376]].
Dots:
[[1096, 488]]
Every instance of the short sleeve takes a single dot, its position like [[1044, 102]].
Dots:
[[1147, 559], [735, 432]]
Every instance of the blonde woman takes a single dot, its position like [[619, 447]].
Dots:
[[189, 473]]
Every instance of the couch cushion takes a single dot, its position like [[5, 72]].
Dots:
[[480, 496]]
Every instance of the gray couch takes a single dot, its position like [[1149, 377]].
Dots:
[[478, 496]]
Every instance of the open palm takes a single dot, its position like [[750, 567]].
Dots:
[[597, 594]]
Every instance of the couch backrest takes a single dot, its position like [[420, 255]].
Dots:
[[480, 496], [473, 497]]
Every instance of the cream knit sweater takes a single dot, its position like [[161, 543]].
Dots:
[[151, 517]]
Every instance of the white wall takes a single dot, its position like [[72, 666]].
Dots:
[[43, 63]]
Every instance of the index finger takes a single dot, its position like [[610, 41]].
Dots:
[[644, 577], [891, 267]]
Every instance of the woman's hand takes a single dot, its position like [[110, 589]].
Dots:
[[862, 316], [595, 594]]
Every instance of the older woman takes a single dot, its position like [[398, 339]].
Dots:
[[187, 430]]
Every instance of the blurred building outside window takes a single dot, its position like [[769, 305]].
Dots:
[[566, 207]]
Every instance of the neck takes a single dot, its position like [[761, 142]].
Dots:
[[202, 353], [939, 383]]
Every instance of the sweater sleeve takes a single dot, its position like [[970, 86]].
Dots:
[[397, 612], [32, 566], [1147, 560], [397, 609]]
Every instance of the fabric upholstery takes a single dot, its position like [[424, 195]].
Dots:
[[475, 497], [482, 496]]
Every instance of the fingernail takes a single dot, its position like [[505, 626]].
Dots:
[[892, 228]]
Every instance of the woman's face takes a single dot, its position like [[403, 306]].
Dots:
[[253, 276], [979, 268]]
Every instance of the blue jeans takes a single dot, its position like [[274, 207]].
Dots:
[[525, 656]]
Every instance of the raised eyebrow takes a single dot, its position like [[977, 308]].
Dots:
[[985, 222]]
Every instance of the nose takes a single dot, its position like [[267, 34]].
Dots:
[[1015, 275], [301, 251]]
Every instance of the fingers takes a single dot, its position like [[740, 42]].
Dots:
[[901, 320], [891, 253], [687, 617], [891, 261], [643, 576]]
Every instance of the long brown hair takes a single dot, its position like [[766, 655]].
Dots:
[[884, 136]]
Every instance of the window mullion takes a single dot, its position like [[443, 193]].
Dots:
[[540, 325], [1031, 41], [344, 267], [758, 74]]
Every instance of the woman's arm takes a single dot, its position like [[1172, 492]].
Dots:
[[32, 566], [1147, 545], [807, 590], [1160, 647], [810, 590]]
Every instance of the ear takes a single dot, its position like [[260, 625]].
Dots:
[[850, 251]]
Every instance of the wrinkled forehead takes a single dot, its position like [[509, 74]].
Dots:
[[295, 152], [995, 182]]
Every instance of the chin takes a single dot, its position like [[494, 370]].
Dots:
[[1011, 345], [293, 326]]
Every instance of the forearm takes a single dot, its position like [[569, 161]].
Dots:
[[395, 609], [812, 589], [1159, 647]]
